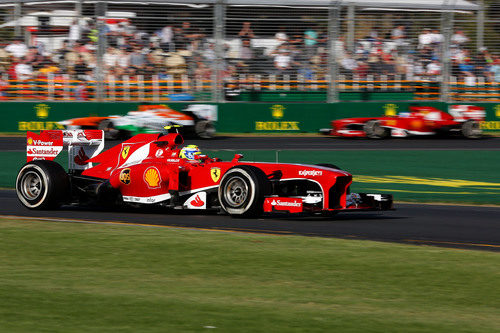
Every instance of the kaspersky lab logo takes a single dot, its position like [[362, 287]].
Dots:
[[42, 110], [390, 109]]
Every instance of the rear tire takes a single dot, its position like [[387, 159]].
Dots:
[[110, 132], [242, 190], [471, 129], [374, 130], [205, 129], [42, 185]]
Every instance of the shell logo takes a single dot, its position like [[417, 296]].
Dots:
[[152, 177], [30, 141]]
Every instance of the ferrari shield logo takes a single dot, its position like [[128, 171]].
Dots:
[[125, 151], [215, 174]]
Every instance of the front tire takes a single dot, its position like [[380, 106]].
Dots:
[[471, 129], [242, 190], [204, 129], [374, 130], [110, 132], [42, 185]]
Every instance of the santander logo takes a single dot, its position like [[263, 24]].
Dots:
[[81, 158], [197, 202], [280, 203]]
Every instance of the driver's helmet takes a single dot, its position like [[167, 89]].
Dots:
[[189, 152]]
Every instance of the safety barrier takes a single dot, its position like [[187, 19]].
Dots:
[[178, 88]]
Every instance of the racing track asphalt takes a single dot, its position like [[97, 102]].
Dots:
[[449, 226], [312, 143]]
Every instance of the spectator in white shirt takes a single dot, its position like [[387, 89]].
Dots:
[[459, 38], [434, 68], [17, 49], [75, 32], [437, 38], [425, 38], [110, 58], [24, 71]]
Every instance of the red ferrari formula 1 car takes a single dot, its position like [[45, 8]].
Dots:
[[421, 120], [151, 169]]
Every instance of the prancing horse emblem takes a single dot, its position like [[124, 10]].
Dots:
[[125, 151], [215, 174]]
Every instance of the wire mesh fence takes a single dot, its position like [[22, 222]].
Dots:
[[235, 50]]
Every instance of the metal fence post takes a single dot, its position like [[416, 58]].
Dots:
[[447, 31], [480, 25], [100, 13], [217, 79], [333, 33], [17, 17]]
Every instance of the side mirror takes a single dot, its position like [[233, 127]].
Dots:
[[237, 157]]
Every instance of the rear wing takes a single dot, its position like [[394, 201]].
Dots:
[[82, 146]]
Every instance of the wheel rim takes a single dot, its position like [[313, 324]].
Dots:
[[378, 130], [236, 192], [475, 129], [31, 185]]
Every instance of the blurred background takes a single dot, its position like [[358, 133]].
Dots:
[[242, 50]]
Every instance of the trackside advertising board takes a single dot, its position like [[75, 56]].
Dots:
[[20, 117]]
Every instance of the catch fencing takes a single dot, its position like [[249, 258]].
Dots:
[[237, 50]]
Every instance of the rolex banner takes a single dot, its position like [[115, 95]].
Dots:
[[278, 118]]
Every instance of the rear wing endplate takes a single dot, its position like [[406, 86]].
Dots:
[[82, 146]]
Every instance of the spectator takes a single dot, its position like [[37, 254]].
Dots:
[[246, 52], [167, 38], [466, 68], [349, 64], [283, 62], [459, 38], [34, 58], [24, 71], [433, 68], [246, 32], [495, 69], [74, 32], [425, 39], [436, 37], [137, 59], [110, 59], [398, 35], [17, 48], [310, 41], [281, 36], [123, 60]]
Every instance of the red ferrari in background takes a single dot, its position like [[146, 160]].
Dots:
[[421, 120], [150, 169]]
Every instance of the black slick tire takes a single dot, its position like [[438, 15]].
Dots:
[[204, 129], [242, 190], [374, 130], [471, 129], [110, 132], [42, 185]]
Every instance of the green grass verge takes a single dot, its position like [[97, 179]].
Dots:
[[451, 176], [61, 277]]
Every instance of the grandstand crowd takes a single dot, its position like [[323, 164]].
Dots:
[[185, 49]]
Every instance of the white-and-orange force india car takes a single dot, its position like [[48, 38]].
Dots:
[[147, 170]]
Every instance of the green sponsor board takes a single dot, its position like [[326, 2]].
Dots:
[[19, 117]]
